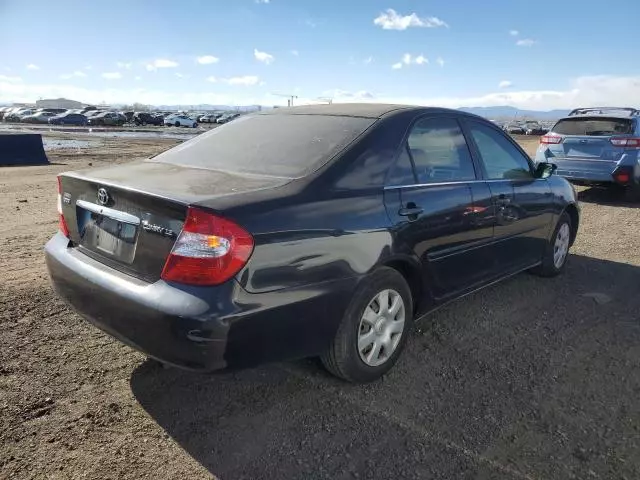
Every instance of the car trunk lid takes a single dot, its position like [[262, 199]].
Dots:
[[128, 217], [589, 138]]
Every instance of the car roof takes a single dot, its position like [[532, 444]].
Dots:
[[367, 110], [596, 115]]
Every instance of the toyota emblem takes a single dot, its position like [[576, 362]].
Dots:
[[103, 196]]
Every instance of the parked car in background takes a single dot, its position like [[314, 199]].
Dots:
[[39, 117], [227, 117], [209, 117], [534, 128], [108, 119], [180, 121], [93, 113], [3, 110], [128, 115], [88, 108], [146, 118], [57, 111], [17, 114], [596, 146], [514, 128], [68, 118], [317, 230]]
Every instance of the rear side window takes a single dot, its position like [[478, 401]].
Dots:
[[439, 151], [594, 126], [279, 145]]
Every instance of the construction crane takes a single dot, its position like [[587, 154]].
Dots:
[[290, 97]]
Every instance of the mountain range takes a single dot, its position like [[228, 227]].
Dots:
[[512, 113]]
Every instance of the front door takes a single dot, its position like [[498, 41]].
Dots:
[[429, 199], [521, 202]]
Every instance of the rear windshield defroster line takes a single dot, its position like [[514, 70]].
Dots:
[[289, 146]]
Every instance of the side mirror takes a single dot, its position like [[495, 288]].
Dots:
[[545, 170]]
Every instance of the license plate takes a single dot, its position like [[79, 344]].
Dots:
[[107, 235]]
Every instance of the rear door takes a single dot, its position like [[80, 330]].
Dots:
[[522, 204], [430, 201]]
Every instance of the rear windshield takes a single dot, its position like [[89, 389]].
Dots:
[[594, 126], [289, 146]]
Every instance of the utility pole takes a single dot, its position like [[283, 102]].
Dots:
[[290, 98]]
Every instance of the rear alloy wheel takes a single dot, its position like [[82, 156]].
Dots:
[[555, 256], [177, 124], [373, 330]]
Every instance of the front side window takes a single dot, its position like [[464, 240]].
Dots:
[[439, 151], [501, 159]]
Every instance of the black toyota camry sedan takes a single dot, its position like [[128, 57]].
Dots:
[[306, 231]]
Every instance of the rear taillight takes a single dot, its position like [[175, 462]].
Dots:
[[209, 250], [550, 139], [62, 223], [625, 142]]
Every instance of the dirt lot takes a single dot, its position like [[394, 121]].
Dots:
[[528, 379]]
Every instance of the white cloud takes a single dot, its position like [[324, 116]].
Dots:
[[246, 80], [31, 66], [263, 57], [525, 42], [440, 61], [212, 79], [76, 74], [262, 1], [368, 60], [408, 59], [8, 79], [137, 77], [124, 65], [295, 53], [391, 20], [339, 93], [420, 60], [112, 75], [88, 67], [207, 59], [161, 63], [514, 33], [504, 84], [182, 75]]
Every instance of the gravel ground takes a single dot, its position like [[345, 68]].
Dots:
[[529, 379]]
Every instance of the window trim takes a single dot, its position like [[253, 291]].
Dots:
[[475, 151], [404, 143]]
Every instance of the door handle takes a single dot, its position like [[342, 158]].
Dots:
[[410, 211]]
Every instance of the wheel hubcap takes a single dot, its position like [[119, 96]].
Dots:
[[561, 245], [381, 327]]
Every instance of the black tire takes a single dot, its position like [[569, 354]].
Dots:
[[342, 358], [632, 193], [548, 267], [177, 124]]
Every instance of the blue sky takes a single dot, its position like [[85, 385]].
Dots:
[[531, 54]]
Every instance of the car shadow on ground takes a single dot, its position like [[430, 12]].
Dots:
[[528, 378], [609, 196]]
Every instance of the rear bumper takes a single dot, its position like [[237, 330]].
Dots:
[[198, 328]]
